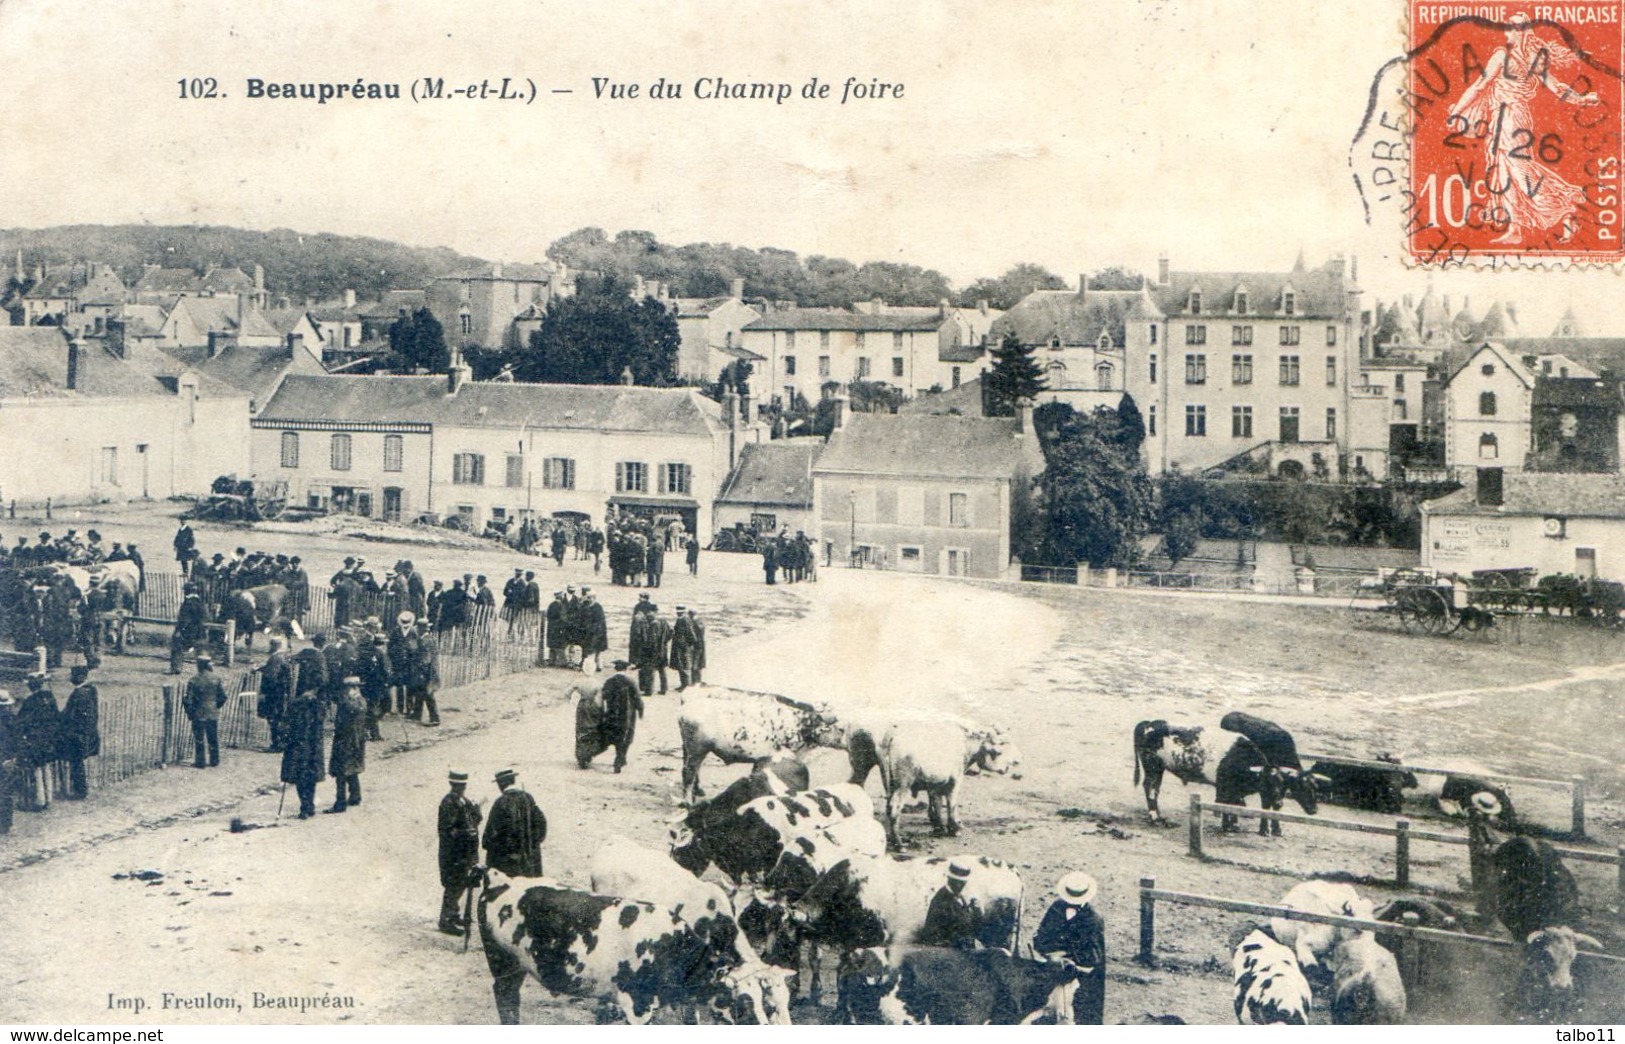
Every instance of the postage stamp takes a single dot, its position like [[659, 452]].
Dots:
[[1515, 126]]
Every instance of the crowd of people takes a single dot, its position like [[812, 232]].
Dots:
[[789, 556], [44, 744]]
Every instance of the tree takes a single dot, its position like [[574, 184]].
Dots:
[[1183, 497], [1095, 498], [596, 335], [1116, 278], [1015, 377], [418, 342], [1007, 290]]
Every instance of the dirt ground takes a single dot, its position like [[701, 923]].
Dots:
[[345, 905]]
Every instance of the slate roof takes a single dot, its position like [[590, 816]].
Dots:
[[518, 273], [697, 307], [59, 281], [167, 281], [1046, 314], [389, 307], [927, 446], [923, 320], [1575, 392], [220, 314], [1319, 292], [34, 364], [251, 369], [492, 404], [965, 400], [1542, 493], [226, 281], [1599, 353], [773, 473]]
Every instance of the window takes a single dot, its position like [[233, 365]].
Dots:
[[1331, 423], [897, 341], [1331, 336], [863, 368], [1291, 334], [290, 449], [515, 475], [764, 521], [1054, 344], [1151, 419], [1331, 369], [1241, 422], [468, 469], [1195, 302], [897, 366], [558, 473], [676, 478], [468, 324], [1196, 421], [1289, 424], [959, 509], [1103, 376], [631, 476], [862, 340], [1241, 335], [1488, 369], [823, 340], [1196, 334], [1399, 382], [1241, 369], [109, 465], [1488, 446], [1153, 333], [1289, 303], [1241, 303], [1486, 404], [339, 452], [789, 366], [1195, 369], [956, 376], [823, 366], [1289, 369], [790, 340], [1400, 410], [394, 452], [1153, 367]]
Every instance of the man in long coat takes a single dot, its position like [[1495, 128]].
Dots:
[[459, 830], [377, 674], [515, 831], [38, 729], [654, 561], [592, 628], [687, 648], [276, 685], [349, 757], [608, 718], [202, 702], [1072, 931], [303, 763], [80, 731], [646, 647], [189, 629]]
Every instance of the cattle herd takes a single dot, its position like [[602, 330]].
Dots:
[[761, 880]]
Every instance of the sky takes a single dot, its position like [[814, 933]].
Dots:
[[1072, 135]]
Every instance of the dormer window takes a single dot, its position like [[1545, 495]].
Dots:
[[1055, 344], [1289, 302], [1241, 301], [1105, 340], [1194, 305]]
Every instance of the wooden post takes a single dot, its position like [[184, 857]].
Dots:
[[1196, 825], [231, 643], [1148, 923], [1402, 853], [42, 656], [1579, 805], [1409, 963], [1619, 855], [169, 724]]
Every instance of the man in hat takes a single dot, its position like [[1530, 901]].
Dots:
[[595, 547], [10, 772], [202, 702], [691, 553], [38, 727], [687, 648], [377, 675], [1073, 931], [1482, 840], [608, 718], [80, 735], [276, 685], [484, 597], [303, 763], [411, 658], [185, 544], [459, 823], [349, 757], [646, 646], [654, 561], [189, 630], [530, 599], [593, 628], [555, 635], [559, 540], [950, 920], [513, 593], [298, 585], [515, 831]]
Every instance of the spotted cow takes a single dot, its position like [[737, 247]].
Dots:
[[928, 985], [741, 727], [930, 756], [638, 956], [1269, 986], [1154, 755], [868, 901]]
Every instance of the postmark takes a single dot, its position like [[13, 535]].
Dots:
[[1498, 136]]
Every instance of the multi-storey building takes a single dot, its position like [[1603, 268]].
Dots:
[[480, 306]]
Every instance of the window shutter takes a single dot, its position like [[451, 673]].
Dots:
[[620, 477], [661, 477]]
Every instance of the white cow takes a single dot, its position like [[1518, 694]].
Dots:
[[867, 901], [930, 755], [741, 727], [1366, 987], [1311, 943]]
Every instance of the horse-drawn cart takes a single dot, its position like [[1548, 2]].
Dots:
[[1427, 602]]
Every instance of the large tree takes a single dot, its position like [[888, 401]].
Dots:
[[418, 342], [1007, 290], [1015, 377], [1095, 498], [598, 334]]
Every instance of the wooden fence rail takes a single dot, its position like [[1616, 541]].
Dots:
[[1150, 895], [1401, 832], [1575, 785]]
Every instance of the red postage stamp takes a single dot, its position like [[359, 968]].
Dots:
[[1516, 132]]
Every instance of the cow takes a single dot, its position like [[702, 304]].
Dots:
[[1458, 793], [1534, 890], [1270, 989], [929, 985], [867, 901], [1366, 987], [1186, 758], [624, 868], [1263, 761], [1312, 943], [637, 955], [741, 727], [255, 609], [1545, 988], [932, 756], [121, 580], [780, 837], [1359, 786]]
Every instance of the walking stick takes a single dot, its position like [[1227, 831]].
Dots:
[[468, 917], [283, 797]]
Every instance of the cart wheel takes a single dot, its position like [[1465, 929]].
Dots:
[[1476, 620]]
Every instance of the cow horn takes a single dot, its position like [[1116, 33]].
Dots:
[[1320, 778], [1582, 939], [1256, 769]]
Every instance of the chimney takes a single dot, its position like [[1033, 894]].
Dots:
[[496, 270], [115, 337], [841, 410], [1024, 417], [73, 364], [1489, 487], [296, 344], [349, 298], [737, 290], [627, 380], [744, 408], [215, 337], [456, 373], [942, 308], [1083, 283], [981, 305], [20, 270], [1162, 269], [39, 272]]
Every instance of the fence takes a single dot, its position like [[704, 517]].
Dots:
[[1401, 832]]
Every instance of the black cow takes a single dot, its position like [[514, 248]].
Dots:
[[1545, 990], [1356, 786], [1458, 793], [1186, 759], [1263, 761], [1534, 890], [711, 830], [920, 985]]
